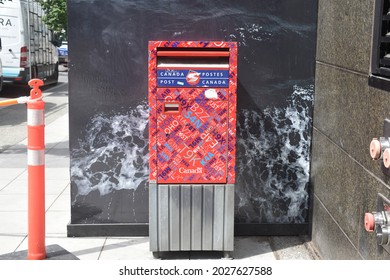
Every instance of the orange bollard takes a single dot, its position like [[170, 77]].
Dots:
[[36, 172]]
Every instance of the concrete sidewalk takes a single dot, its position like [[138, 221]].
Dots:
[[13, 214]]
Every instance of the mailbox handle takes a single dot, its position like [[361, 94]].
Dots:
[[194, 53]]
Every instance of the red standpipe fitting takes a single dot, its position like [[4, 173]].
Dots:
[[386, 158], [369, 222], [375, 149]]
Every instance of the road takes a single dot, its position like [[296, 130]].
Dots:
[[13, 119]]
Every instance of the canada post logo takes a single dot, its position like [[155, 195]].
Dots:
[[193, 78]]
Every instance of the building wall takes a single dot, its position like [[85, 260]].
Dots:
[[348, 113]]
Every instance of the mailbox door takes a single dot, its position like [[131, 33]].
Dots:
[[192, 141]]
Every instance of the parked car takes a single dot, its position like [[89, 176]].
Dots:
[[63, 53], [1, 76], [1, 69]]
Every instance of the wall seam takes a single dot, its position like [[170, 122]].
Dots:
[[338, 67], [353, 159], [338, 225]]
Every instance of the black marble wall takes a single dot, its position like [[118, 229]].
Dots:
[[348, 114], [109, 113]]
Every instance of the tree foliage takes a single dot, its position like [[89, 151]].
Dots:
[[56, 16]]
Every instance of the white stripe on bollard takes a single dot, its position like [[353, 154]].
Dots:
[[35, 157], [35, 117]]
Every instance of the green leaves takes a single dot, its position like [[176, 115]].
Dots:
[[56, 16]]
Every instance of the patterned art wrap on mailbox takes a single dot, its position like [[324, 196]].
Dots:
[[192, 125]]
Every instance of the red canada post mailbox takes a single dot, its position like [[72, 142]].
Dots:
[[192, 134]]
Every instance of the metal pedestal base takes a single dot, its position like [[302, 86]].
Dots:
[[191, 218]]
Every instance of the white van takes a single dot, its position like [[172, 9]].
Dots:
[[29, 48]]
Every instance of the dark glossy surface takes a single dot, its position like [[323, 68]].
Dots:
[[108, 109]]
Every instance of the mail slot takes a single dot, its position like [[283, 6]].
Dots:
[[171, 108], [192, 122]]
